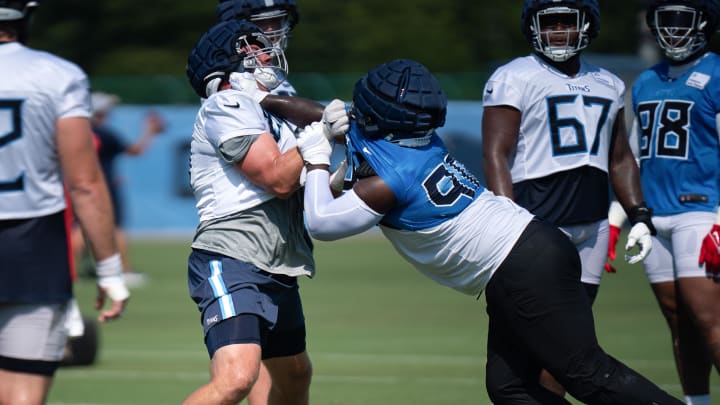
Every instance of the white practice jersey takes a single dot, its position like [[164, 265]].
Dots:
[[36, 89], [220, 189], [567, 122], [464, 251]]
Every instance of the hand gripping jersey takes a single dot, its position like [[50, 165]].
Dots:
[[559, 168], [677, 134], [445, 222], [36, 89]]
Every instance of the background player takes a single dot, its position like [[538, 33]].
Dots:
[[676, 134], [553, 134], [46, 139]]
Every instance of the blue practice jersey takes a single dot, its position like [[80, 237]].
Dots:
[[677, 130], [430, 186]]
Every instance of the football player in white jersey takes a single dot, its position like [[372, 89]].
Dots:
[[554, 138], [276, 18], [448, 226], [45, 139], [676, 139], [251, 245]]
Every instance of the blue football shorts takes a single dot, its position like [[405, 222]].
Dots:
[[240, 303]]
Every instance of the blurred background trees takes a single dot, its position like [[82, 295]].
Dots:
[[140, 47]]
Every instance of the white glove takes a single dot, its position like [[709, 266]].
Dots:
[[335, 119], [314, 147], [246, 83], [639, 235], [337, 178], [110, 278]]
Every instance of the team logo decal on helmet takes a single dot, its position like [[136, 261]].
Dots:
[[16, 9], [234, 46], [561, 41], [400, 101], [682, 28], [275, 17]]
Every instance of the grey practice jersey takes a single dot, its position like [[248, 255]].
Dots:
[[36, 89]]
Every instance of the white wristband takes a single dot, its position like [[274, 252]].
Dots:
[[110, 278]]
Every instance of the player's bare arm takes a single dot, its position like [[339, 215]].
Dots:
[[623, 169], [265, 166], [500, 127], [298, 110]]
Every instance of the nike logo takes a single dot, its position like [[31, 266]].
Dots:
[[490, 90], [366, 150], [236, 105]]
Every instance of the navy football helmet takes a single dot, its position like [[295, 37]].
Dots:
[[234, 46], [682, 28], [16, 9], [400, 101], [584, 15], [275, 17]]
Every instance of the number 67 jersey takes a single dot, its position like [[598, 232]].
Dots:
[[560, 162], [676, 135]]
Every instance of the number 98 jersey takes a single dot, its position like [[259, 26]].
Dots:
[[676, 132]]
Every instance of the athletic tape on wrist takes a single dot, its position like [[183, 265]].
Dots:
[[110, 278], [642, 213]]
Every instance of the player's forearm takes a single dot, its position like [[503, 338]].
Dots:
[[298, 110], [497, 176], [93, 209], [625, 180]]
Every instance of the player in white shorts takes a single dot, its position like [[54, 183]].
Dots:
[[45, 140], [676, 138]]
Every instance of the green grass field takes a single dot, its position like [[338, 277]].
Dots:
[[378, 333]]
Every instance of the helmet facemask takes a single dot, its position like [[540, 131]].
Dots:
[[679, 31], [560, 33], [275, 25], [266, 61]]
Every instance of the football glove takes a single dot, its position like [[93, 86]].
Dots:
[[335, 119], [313, 145], [710, 253], [246, 83], [639, 235]]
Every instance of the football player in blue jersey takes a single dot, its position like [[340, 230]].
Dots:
[[677, 114], [449, 227], [554, 138], [45, 140], [250, 246]]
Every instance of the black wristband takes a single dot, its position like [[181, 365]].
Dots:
[[641, 213]]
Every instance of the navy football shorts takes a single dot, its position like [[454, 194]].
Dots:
[[240, 303]]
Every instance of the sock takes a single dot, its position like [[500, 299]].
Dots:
[[697, 399]]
